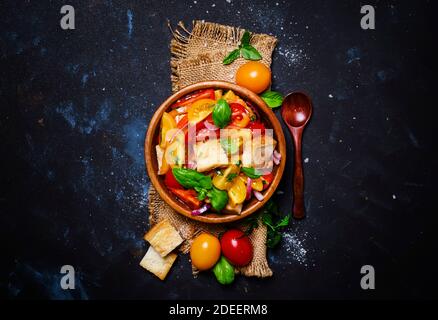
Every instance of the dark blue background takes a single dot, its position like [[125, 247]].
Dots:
[[75, 107]]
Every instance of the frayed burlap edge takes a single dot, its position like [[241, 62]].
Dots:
[[208, 43]]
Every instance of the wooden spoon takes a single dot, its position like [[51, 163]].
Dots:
[[296, 111]]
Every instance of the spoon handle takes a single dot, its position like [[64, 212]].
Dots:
[[298, 206]]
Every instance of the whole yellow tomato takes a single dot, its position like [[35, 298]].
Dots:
[[254, 76], [205, 251]]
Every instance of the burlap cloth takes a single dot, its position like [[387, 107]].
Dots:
[[197, 56]]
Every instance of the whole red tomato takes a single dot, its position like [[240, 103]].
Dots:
[[236, 247]]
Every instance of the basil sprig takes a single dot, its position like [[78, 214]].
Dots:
[[221, 113], [250, 53], [218, 198], [271, 212], [191, 179], [233, 55], [272, 98], [245, 50]]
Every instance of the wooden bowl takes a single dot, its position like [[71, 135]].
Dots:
[[268, 117]]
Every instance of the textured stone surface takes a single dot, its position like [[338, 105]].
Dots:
[[75, 106]]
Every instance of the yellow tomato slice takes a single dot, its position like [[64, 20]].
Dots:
[[229, 96], [200, 110], [221, 181], [237, 192], [257, 184], [164, 166], [167, 123], [217, 94]]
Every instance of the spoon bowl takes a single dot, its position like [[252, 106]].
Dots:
[[296, 111]]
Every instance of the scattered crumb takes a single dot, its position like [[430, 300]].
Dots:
[[394, 196], [330, 96], [306, 160]]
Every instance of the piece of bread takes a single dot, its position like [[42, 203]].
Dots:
[[163, 237], [210, 155], [156, 264], [233, 210]]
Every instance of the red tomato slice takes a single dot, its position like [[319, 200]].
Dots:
[[239, 115], [189, 197], [171, 182], [183, 122], [189, 99], [256, 125], [267, 180]]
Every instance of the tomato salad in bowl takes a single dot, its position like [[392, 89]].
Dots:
[[215, 152]]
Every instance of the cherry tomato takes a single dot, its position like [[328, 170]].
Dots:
[[237, 247], [170, 181], [254, 76], [205, 251]]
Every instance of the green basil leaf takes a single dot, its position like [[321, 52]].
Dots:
[[245, 38], [273, 99], [271, 207], [218, 199], [191, 179], [233, 55], [250, 53], [284, 222], [231, 177], [273, 239], [251, 223], [250, 172], [224, 271], [221, 114], [202, 193], [267, 220]]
